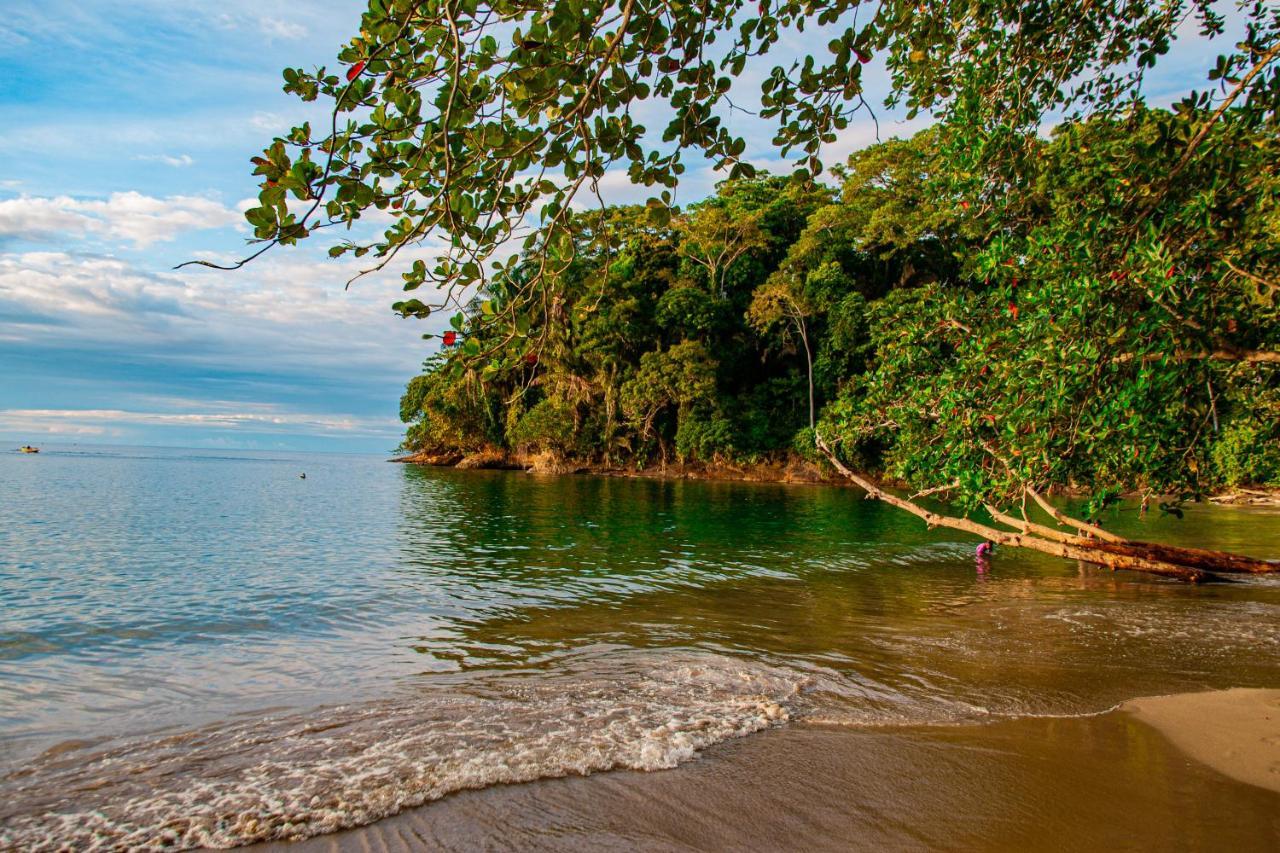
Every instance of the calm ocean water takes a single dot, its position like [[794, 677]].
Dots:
[[200, 647]]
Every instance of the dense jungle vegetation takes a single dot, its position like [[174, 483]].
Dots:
[[904, 320]]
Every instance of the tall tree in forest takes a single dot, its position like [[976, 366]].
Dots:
[[778, 303], [713, 238]]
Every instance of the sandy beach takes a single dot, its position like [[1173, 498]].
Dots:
[[1145, 776], [1236, 732]]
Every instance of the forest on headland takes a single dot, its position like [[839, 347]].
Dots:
[[927, 334], [1060, 285]]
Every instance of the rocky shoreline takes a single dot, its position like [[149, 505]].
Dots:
[[789, 470]]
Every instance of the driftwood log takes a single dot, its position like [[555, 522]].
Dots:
[[1082, 541]]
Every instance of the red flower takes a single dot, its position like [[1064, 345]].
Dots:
[[1013, 310], [354, 71], [965, 205], [450, 338], [531, 358], [1171, 271]]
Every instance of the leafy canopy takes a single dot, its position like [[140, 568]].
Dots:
[[1100, 334], [480, 123]]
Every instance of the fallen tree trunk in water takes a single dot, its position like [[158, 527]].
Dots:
[[1199, 558], [1213, 561], [1193, 565]]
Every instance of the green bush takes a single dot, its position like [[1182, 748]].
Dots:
[[445, 416], [704, 433], [547, 425], [1247, 452]]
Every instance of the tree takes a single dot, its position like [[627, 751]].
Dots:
[[1084, 350], [714, 239], [480, 124], [683, 376], [777, 302]]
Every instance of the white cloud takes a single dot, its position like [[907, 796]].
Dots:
[[865, 133], [168, 160], [282, 329], [251, 416], [277, 28], [270, 122], [286, 312], [129, 216], [271, 27]]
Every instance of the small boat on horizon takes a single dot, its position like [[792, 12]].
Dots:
[[26, 448]]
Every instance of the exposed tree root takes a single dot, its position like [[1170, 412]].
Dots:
[[1088, 543]]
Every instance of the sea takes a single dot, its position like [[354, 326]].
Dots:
[[204, 648]]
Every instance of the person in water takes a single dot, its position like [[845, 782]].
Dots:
[[983, 553]]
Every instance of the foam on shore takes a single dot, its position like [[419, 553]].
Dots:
[[1074, 784], [296, 775]]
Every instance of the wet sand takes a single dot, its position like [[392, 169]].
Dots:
[[1236, 732], [1114, 781]]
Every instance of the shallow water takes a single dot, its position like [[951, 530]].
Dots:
[[202, 648]]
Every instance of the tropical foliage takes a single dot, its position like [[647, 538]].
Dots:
[[479, 123], [640, 353], [1089, 336]]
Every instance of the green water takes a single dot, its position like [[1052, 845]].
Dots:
[[175, 622]]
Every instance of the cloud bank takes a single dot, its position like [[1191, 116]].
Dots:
[[131, 217]]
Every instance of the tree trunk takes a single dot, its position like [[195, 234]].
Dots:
[[804, 338], [1200, 558], [1186, 564], [1213, 561]]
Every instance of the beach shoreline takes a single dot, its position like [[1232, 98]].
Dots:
[[1236, 732], [1074, 783]]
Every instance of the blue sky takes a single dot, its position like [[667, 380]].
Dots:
[[126, 135], [127, 127]]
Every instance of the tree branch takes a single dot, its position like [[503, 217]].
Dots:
[[1062, 518]]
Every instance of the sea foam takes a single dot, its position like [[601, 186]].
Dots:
[[295, 775]]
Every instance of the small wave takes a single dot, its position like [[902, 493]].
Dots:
[[292, 776]]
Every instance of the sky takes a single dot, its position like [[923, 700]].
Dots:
[[124, 146]]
